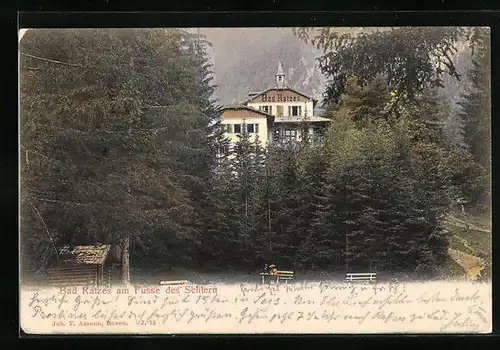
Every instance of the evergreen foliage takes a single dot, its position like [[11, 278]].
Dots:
[[121, 138], [476, 111], [114, 126]]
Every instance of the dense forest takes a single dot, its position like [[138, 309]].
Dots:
[[121, 143]]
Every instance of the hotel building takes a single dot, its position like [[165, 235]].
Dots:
[[274, 115]]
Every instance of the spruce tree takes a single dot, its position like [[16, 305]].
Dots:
[[476, 109], [107, 118]]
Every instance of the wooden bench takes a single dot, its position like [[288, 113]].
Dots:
[[279, 275], [173, 283], [365, 276]]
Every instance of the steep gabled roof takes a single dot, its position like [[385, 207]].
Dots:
[[84, 254], [251, 109], [286, 88]]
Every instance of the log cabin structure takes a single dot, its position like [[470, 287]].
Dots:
[[87, 265]]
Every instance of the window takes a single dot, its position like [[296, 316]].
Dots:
[[242, 128], [280, 110], [294, 111], [290, 134], [284, 135], [267, 109]]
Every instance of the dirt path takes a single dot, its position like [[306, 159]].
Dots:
[[452, 220], [470, 263]]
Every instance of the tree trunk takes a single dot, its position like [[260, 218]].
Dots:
[[125, 260]]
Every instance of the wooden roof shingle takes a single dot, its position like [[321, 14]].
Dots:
[[84, 254]]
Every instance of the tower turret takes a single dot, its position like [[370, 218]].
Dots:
[[280, 77]]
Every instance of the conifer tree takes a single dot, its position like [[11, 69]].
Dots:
[[476, 108], [107, 119], [270, 190], [380, 206], [476, 102]]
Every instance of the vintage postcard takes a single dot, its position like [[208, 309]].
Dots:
[[255, 180]]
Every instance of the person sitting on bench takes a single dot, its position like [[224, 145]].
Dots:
[[270, 269]]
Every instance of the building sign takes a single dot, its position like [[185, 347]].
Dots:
[[285, 96]]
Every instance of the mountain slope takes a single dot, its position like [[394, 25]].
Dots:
[[246, 59]]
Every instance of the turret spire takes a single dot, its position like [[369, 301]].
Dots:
[[280, 76]]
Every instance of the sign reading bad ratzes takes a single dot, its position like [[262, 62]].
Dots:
[[282, 96]]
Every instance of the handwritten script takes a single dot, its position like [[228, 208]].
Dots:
[[308, 307]]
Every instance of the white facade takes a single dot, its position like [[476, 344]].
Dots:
[[291, 110], [234, 125], [285, 108]]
